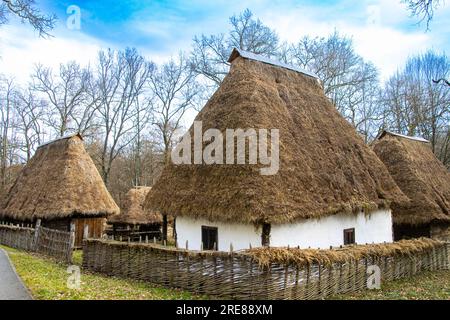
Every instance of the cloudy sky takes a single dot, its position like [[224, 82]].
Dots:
[[382, 30]]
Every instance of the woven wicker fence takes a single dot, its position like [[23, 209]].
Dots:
[[17, 237], [53, 243], [237, 275]]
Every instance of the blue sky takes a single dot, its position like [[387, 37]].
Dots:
[[381, 30]]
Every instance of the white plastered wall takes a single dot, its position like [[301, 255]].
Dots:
[[374, 227]]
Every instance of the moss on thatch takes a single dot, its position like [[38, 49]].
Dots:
[[294, 256], [420, 175], [325, 168], [133, 213], [59, 181]]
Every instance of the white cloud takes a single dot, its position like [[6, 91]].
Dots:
[[21, 49], [378, 30]]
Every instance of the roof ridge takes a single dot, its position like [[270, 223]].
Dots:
[[419, 139], [253, 56], [61, 138]]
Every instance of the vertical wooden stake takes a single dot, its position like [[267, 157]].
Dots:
[[71, 243], [36, 233], [86, 232]]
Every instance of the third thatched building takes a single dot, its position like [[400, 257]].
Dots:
[[424, 179]]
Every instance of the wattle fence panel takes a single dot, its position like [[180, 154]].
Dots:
[[237, 275], [53, 243]]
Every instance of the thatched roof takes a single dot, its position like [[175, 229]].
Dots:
[[59, 181], [133, 212], [325, 168], [419, 174]]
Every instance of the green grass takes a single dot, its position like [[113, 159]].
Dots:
[[47, 280], [425, 286]]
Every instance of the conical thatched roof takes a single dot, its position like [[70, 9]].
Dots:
[[325, 168], [133, 212], [419, 174], [59, 181]]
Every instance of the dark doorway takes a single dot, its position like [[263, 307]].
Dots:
[[210, 238], [410, 232], [349, 236]]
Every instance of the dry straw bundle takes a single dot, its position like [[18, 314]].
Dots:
[[302, 257]]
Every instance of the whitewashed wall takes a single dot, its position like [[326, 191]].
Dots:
[[315, 233], [328, 231], [240, 235]]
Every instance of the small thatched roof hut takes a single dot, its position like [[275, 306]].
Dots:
[[58, 185], [60, 181], [420, 175], [325, 168], [133, 213]]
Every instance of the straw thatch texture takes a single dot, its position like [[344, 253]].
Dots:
[[60, 181], [133, 212], [420, 175], [325, 168]]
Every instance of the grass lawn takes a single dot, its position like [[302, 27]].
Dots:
[[47, 280], [425, 286]]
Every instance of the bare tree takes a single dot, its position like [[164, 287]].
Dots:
[[143, 117], [210, 53], [26, 10], [443, 81], [349, 81], [423, 9], [6, 108], [29, 111], [176, 91], [122, 77], [71, 96], [417, 106]]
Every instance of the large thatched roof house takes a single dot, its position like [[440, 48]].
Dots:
[[134, 218], [60, 185], [424, 179], [330, 189]]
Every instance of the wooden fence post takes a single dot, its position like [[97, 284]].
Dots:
[[86, 232], [36, 233], [71, 242]]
